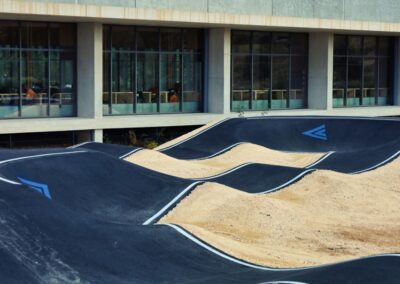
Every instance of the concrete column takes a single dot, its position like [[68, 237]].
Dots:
[[90, 70], [97, 135], [396, 93], [320, 70], [219, 73]]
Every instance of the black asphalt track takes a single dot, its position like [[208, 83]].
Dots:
[[91, 228], [66, 240], [358, 143], [119, 151]]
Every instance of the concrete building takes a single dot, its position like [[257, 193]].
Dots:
[[87, 66]]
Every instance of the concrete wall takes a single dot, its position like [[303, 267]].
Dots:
[[219, 80], [363, 10], [320, 70]]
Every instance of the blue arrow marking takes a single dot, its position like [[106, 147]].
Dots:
[[40, 187], [318, 132]]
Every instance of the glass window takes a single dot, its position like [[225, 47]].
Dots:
[[339, 81], [34, 35], [298, 82], [122, 95], [265, 79], [106, 37], [162, 73], [147, 39], [8, 34], [340, 45], [241, 42], [241, 82], [261, 81], [9, 85], [192, 83], [123, 38], [261, 42], [170, 83], [35, 96], [280, 82], [362, 76], [354, 45], [62, 36], [193, 40], [171, 40], [147, 82], [280, 43]]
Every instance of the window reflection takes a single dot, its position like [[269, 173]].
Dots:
[[163, 72], [362, 75], [37, 69], [273, 74]]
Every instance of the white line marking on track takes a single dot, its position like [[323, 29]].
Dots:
[[80, 144], [172, 202], [288, 182], [219, 152], [238, 261], [130, 153], [283, 282], [323, 117], [320, 160], [379, 164], [41, 155], [10, 181], [224, 173], [191, 137]]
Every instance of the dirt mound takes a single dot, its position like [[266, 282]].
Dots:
[[238, 155], [326, 217]]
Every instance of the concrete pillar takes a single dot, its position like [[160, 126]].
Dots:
[[90, 70], [396, 93], [320, 70], [219, 72], [97, 135]]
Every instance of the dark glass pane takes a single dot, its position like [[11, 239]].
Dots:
[[9, 85], [8, 34], [280, 43], [385, 46], [171, 40], [106, 37], [355, 45], [193, 40], [62, 84], [122, 96], [261, 81], [192, 93], [106, 82], [340, 45], [354, 81], [369, 46], [241, 41], [280, 81], [241, 69], [62, 36], [298, 44], [385, 81], [339, 81], [147, 82], [261, 42], [147, 39], [34, 84], [34, 35], [298, 81], [123, 38], [369, 90], [170, 84]]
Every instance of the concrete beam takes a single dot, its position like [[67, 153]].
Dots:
[[219, 71], [90, 70], [320, 71], [97, 135]]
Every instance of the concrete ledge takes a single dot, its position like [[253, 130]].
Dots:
[[9, 126]]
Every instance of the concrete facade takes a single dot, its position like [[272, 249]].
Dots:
[[320, 19]]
